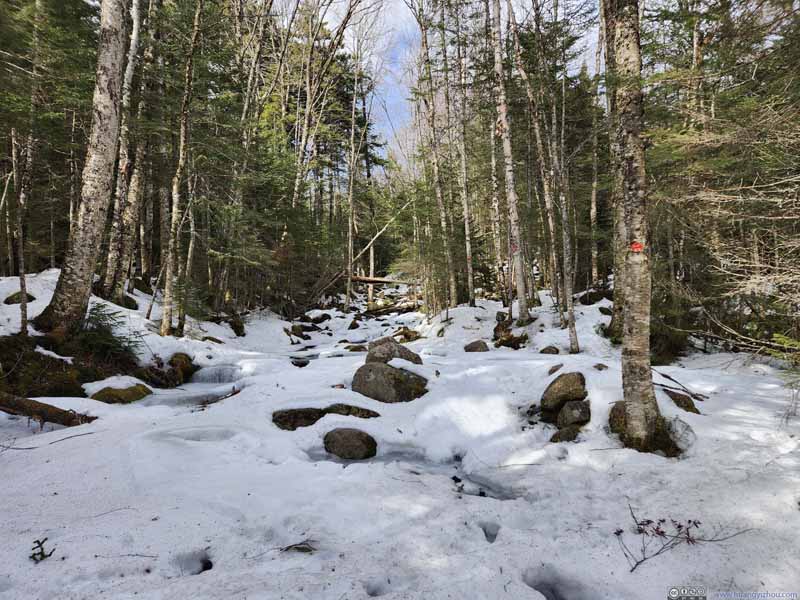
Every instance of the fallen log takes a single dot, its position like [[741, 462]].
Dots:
[[381, 280], [41, 412]]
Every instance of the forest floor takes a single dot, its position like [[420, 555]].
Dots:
[[172, 497]]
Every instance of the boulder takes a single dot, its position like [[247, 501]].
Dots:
[[500, 316], [477, 346], [616, 418], [549, 350], [605, 310], [293, 418], [300, 362], [670, 438], [554, 369], [126, 395], [385, 349], [574, 412], [564, 388], [682, 401], [566, 434], [183, 365], [16, 298], [406, 335], [350, 444], [356, 348], [509, 340], [321, 318], [353, 325], [384, 383]]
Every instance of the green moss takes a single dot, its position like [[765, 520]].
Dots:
[[127, 395], [16, 298]]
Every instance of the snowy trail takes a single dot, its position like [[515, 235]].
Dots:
[[160, 486]]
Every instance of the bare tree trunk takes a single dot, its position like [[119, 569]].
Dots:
[[593, 201], [461, 59], [430, 113], [186, 271], [511, 191], [641, 411], [71, 297], [114, 268], [546, 171], [351, 211], [495, 218], [126, 235], [609, 17], [177, 179]]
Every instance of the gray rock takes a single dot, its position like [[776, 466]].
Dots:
[[566, 434], [549, 350], [384, 383], [554, 369], [385, 349], [293, 418], [477, 346], [563, 389], [617, 418], [682, 401], [350, 444], [574, 412]]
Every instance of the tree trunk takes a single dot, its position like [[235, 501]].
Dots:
[[177, 180], [595, 270], [134, 191], [461, 59], [511, 191], [609, 15], [430, 113], [497, 238], [39, 411], [115, 269], [641, 411], [71, 297]]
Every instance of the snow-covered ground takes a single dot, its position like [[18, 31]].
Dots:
[[164, 486]]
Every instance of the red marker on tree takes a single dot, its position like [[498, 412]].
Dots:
[[636, 246]]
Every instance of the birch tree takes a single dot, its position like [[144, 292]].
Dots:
[[642, 416], [71, 297], [503, 131]]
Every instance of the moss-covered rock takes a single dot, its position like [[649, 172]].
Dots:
[[661, 442], [616, 418], [16, 298], [126, 395], [183, 364]]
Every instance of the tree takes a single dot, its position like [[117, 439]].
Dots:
[[71, 297], [503, 131], [642, 417]]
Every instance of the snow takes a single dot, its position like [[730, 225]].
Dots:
[[158, 486]]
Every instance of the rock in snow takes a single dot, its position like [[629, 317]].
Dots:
[[385, 383], [477, 346], [385, 349], [350, 444], [563, 389]]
